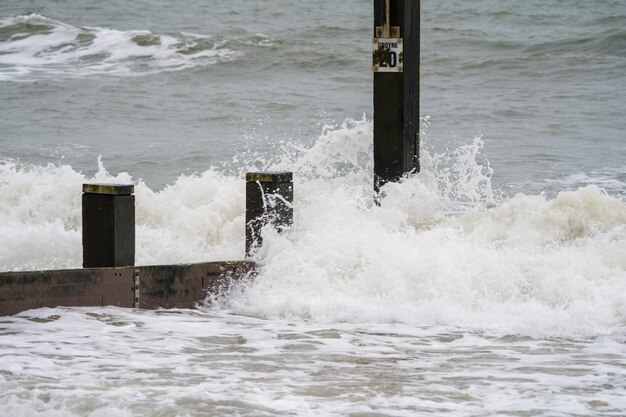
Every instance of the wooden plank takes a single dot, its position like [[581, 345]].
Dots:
[[166, 286], [183, 286], [227, 272], [8, 308], [50, 277], [117, 287], [80, 287], [169, 286], [31, 284]]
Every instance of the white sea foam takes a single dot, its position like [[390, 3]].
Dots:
[[199, 218], [42, 47], [111, 361], [531, 265], [441, 249], [528, 264]]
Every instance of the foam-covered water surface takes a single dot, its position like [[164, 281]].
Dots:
[[79, 362]]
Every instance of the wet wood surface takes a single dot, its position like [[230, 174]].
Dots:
[[167, 286]]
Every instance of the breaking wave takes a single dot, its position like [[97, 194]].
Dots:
[[443, 247], [34, 47]]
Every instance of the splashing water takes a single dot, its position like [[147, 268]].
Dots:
[[442, 248]]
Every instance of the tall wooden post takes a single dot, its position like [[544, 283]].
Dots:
[[108, 225], [396, 65], [269, 200]]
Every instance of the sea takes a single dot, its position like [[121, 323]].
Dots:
[[491, 283]]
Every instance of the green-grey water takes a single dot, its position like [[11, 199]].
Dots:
[[491, 284], [543, 83]]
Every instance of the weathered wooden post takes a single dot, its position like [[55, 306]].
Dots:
[[108, 225], [396, 65], [269, 200]]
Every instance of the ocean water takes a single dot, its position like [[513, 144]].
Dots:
[[492, 283]]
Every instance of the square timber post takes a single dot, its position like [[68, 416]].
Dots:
[[269, 200], [396, 66], [108, 225]]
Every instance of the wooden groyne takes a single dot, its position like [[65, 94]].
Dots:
[[109, 276], [148, 287]]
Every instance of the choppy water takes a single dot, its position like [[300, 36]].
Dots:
[[204, 364], [457, 296]]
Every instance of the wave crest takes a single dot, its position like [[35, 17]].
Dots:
[[34, 46]]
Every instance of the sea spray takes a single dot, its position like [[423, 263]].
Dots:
[[198, 218], [522, 267], [442, 248], [39, 216]]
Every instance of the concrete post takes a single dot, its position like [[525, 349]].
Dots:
[[108, 225], [269, 200]]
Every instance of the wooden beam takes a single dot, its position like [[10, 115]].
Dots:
[[396, 64], [166, 286]]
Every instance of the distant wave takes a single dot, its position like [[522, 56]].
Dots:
[[611, 42], [34, 46]]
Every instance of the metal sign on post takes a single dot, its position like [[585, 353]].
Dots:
[[395, 63], [387, 45], [387, 54]]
